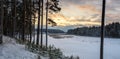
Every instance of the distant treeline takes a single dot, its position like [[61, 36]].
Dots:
[[111, 30], [53, 31]]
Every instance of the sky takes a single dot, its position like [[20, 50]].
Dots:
[[79, 13]]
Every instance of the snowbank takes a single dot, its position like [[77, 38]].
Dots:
[[11, 50]]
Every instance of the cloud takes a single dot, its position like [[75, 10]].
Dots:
[[89, 8], [77, 13], [61, 20], [112, 6]]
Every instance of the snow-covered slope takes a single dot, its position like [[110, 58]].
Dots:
[[11, 50], [87, 47]]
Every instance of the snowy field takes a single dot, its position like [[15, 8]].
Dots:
[[86, 47]]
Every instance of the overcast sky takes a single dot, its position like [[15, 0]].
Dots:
[[77, 13]]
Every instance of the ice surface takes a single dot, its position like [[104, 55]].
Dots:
[[87, 47]]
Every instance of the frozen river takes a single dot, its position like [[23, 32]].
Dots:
[[86, 47]]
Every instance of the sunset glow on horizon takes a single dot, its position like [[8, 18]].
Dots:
[[85, 13]]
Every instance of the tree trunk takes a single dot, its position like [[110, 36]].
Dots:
[[1, 21], [102, 29], [42, 24], [30, 21], [14, 19], [47, 24], [24, 15], [38, 26]]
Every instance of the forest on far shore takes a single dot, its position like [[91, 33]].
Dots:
[[111, 30]]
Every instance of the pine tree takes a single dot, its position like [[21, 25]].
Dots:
[[51, 8]]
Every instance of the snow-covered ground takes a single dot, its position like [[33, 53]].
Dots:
[[87, 47], [11, 50]]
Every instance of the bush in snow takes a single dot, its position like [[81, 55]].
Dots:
[[51, 51]]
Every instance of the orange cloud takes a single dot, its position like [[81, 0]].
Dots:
[[89, 8], [61, 20], [76, 15]]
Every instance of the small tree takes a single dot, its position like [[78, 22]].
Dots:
[[51, 6]]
